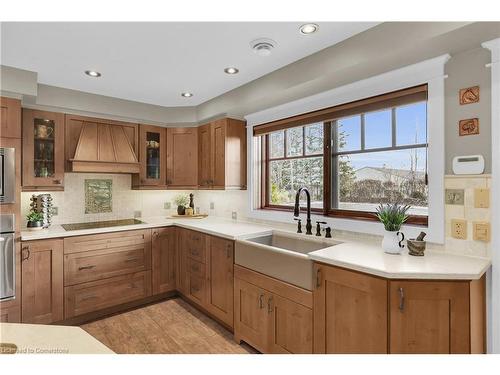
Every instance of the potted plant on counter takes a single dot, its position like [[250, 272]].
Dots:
[[182, 201], [392, 216], [35, 220]]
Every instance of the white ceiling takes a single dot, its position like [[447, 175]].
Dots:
[[154, 62]]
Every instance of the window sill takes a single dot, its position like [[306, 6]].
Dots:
[[369, 226], [351, 215]]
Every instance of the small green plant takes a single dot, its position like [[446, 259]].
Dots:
[[392, 215], [181, 200], [34, 216]]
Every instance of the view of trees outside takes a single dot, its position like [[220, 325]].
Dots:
[[364, 179], [288, 175]]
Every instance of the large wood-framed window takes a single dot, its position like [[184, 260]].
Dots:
[[351, 157]]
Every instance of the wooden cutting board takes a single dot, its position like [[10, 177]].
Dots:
[[198, 216]]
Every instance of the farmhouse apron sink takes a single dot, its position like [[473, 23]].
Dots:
[[281, 255]]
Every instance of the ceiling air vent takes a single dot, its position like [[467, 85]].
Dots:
[[263, 46]]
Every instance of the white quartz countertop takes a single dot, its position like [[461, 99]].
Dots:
[[371, 259], [364, 256], [49, 339], [225, 228]]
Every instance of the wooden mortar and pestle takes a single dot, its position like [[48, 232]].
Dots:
[[416, 247]]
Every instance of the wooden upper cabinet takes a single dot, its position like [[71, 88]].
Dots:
[[218, 140], [222, 155], [182, 158], [163, 259], [429, 317], [204, 157], [42, 281], [152, 158], [350, 312], [220, 271], [10, 118], [43, 150]]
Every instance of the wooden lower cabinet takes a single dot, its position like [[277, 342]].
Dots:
[[291, 326], [163, 246], [96, 295], [271, 315], [435, 317], [42, 281], [360, 313], [251, 321], [205, 272], [350, 312], [102, 264], [220, 270]]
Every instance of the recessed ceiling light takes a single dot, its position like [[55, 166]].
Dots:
[[186, 94], [231, 70], [92, 73], [263, 46], [309, 28]]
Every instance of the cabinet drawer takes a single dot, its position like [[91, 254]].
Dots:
[[100, 264], [96, 295], [195, 246], [197, 288], [196, 268], [106, 241]]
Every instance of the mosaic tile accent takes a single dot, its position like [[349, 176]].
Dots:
[[98, 196]]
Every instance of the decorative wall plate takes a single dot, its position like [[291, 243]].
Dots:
[[469, 95], [468, 127]]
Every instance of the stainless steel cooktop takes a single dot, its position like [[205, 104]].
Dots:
[[101, 224]]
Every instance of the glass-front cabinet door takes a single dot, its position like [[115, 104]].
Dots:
[[43, 150], [152, 143]]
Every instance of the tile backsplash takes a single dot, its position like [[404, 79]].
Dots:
[[127, 202], [71, 202], [466, 210]]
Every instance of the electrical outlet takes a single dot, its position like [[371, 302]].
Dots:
[[55, 211], [212, 205], [167, 205], [454, 196], [137, 214], [234, 215], [481, 231], [481, 198], [459, 229]]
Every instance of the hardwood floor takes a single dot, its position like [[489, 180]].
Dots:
[[169, 327]]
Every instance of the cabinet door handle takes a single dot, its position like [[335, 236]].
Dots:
[[81, 268], [318, 277], [57, 182], [26, 249], [261, 301], [401, 299], [228, 252], [131, 259], [270, 305]]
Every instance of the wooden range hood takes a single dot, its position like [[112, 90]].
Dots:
[[104, 148]]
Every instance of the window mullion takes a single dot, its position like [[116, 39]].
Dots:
[[284, 144], [362, 131], [393, 126]]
